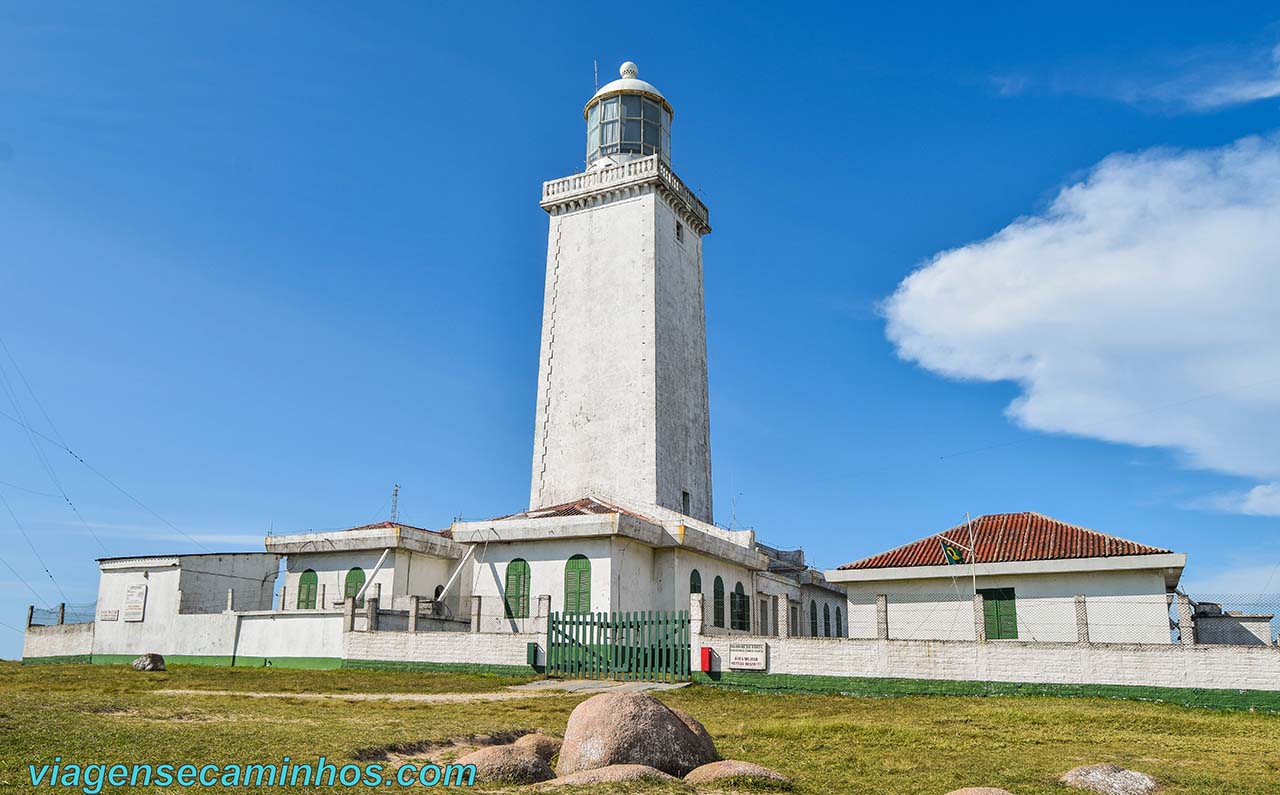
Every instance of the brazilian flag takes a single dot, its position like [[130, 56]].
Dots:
[[951, 552]]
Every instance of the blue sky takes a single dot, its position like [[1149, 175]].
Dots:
[[259, 263]]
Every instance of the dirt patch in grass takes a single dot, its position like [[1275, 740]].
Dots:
[[437, 750]]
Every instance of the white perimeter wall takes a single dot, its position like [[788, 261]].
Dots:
[[65, 640], [1217, 667], [460, 648]]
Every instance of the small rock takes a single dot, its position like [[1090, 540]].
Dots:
[[610, 774], [1110, 780], [632, 729], [745, 772], [507, 764], [980, 791], [149, 662], [544, 746]]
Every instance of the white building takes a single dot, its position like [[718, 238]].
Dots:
[[1036, 578], [620, 517]]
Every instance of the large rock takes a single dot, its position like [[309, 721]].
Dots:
[[612, 774], [744, 772], [979, 791], [544, 746], [632, 728], [148, 662], [507, 764], [699, 731], [1110, 780]]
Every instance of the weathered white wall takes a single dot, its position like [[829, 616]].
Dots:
[[65, 640], [331, 570], [290, 634], [205, 580], [710, 568], [163, 629], [1122, 606], [1254, 630], [459, 648], [622, 385], [1217, 667], [818, 598], [546, 576], [683, 415]]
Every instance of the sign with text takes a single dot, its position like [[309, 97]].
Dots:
[[748, 656], [108, 615], [135, 602]]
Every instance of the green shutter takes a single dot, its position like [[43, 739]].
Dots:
[[577, 585], [718, 599], [695, 582], [813, 618], [307, 585], [826, 621], [999, 613], [516, 596], [353, 584]]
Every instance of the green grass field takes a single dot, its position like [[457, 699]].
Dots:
[[922, 745]]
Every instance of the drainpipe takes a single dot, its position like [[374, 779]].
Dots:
[[369, 580]]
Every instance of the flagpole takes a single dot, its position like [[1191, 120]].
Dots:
[[973, 552]]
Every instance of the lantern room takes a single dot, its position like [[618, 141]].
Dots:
[[627, 119]]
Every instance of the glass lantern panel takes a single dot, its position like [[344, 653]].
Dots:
[[650, 111], [631, 131], [651, 133], [609, 109], [593, 115], [666, 142], [630, 106], [630, 148], [609, 132]]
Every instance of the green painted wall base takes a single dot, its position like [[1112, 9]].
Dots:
[[69, 658], [1260, 700]]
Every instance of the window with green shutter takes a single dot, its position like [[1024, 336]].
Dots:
[[813, 619], [999, 613], [352, 585], [515, 595], [740, 609], [717, 599], [839, 624], [826, 621], [577, 585], [695, 582], [308, 584]]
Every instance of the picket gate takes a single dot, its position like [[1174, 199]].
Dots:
[[642, 646]]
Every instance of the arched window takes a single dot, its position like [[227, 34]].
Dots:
[[813, 619], [308, 583], [839, 624], [577, 585], [695, 582], [740, 616], [826, 621], [516, 593], [717, 600], [353, 584], [439, 590]]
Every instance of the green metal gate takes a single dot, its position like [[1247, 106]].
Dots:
[[652, 645]]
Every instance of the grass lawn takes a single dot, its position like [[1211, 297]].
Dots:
[[830, 744]]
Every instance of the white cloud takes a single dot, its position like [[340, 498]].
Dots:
[[1225, 87], [1141, 307]]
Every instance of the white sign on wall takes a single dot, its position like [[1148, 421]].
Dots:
[[749, 656], [135, 602], [108, 615]]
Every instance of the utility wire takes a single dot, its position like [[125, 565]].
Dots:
[[28, 491], [108, 480], [43, 565], [44, 460], [23, 580]]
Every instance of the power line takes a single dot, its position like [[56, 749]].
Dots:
[[43, 565], [43, 459], [28, 491], [23, 580], [108, 480]]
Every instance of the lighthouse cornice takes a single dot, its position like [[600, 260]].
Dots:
[[609, 183]]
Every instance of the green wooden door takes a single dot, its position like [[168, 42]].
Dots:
[[516, 593], [999, 613], [577, 585]]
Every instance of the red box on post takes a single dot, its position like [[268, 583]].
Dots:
[[706, 659]]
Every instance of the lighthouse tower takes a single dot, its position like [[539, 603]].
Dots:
[[622, 382]]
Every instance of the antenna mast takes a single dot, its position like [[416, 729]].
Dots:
[[395, 500], [595, 72]]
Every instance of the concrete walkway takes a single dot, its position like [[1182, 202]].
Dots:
[[536, 689]]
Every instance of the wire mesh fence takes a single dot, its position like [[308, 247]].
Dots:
[[64, 614]]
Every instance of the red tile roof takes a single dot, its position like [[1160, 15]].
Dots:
[[583, 507], [1004, 537]]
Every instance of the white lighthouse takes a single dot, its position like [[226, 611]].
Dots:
[[622, 382]]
